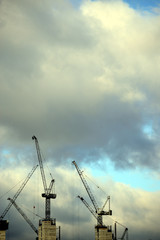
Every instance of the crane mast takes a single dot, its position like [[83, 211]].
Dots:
[[47, 191], [23, 215], [18, 192]]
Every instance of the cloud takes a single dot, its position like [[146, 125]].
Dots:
[[131, 207], [85, 81]]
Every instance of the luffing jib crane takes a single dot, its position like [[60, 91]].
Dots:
[[47, 190], [4, 223], [23, 215], [98, 212]]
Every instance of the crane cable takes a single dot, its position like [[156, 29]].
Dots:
[[95, 184], [11, 189], [117, 222], [45, 162], [37, 215], [105, 193]]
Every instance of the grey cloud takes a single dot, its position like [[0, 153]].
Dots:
[[53, 23]]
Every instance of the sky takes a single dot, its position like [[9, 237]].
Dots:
[[83, 77]]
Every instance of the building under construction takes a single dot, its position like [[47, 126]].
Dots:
[[47, 229], [103, 233]]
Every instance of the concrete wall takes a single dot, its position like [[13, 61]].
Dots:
[[2, 235], [103, 233], [47, 231]]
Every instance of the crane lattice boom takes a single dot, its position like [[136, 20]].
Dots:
[[98, 212], [23, 215], [47, 191], [18, 192], [99, 218], [40, 164], [86, 186]]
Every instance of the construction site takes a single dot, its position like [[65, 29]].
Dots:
[[48, 229]]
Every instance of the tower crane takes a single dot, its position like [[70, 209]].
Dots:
[[4, 223], [97, 212], [47, 190], [23, 215]]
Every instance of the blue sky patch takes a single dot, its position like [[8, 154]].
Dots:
[[136, 178]]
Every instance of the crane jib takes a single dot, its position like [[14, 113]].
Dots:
[[97, 213], [47, 190], [19, 191]]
